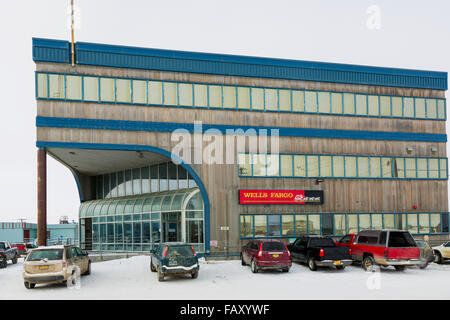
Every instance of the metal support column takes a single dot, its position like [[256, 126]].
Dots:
[[42, 196]]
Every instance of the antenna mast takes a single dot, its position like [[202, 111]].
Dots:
[[72, 27]]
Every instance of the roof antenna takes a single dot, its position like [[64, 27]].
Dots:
[[71, 28]]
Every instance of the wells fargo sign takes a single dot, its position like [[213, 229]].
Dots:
[[280, 196]]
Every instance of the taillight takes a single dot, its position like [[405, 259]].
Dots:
[[321, 253], [64, 264], [289, 254], [165, 251], [192, 247], [350, 251], [260, 251]]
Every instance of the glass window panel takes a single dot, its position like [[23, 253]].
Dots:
[[147, 205], [246, 226], [435, 226], [424, 223], [339, 224], [154, 181], [408, 106], [298, 101], [364, 221], [90, 88], [271, 97], [215, 96], [73, 87], [388, 221], [170, 93], [312, 166], [401, 221], [325, 166], [258, 98], [260, 226], [273, 165], [123, 87], [128, 183], [324, 102], [443, 168], [259, 164], [118, 236], [336, 103], [182, 178], [99, 187], [155, 92], [386, 165], [56, 83], [172, 171], [431, 109], [363, 167], [110, 232], [107, 89], [350, 166], [349, 103], [421, 168], [156, 232], [145, 173], [146, 232], [410, 164], [327, 224], [120, 184], [299, 166], [377, 221], [400, 165], [243, 98], [361, 104], [374, 107], [284, 99], [163, 183], [385, 106], [397, 108], [444, 219], [185, 95], [42, 85], [301, 224], [338, 166], [195, 203], [229, 97], [274, 225], [375, 167], [244, 164], [286, 165], [441, 108], [137, 188], [287, 223], [137, 232], [139, 91], [352, 220], [201, 95], [433, 168], [314, 224], [420, 108], [310, 101], [412, 223], [156, 204], [106, 187]]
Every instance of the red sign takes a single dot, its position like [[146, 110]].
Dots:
[[280, 196]]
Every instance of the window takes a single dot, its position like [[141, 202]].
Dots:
[[139, 91], [155, 92], [345, 239], [375, 167], [229, 97], [325, 166], [410, 164], [274, 225], [313, 166], [383, 238], [123, 87], [260, 225], [408, 107], [433, 168], [245, 168], [286, 165], [431, 108], [301, 224], [298, 101], [243, 98], [424, 223], [349, 103], [338, 166], [215, 96], [170, 93], [324, 102], [257, 98], [441, 109], [363, 167], [364, 221], [271, 97], [400, 166], [397, 107], [386, 165], [73, 88], [185, 94], [420, 107], [90, 88], [339, 224], [336, 102], [284, 100], [310, 101], [273, 165], [327, 224], [377, 221], [287, 224], [200, 95], [443, 168], [56, 83], [299, 166], [314, 224], [385, 106], [350, 166], [107, 92], [412, 223], [259, 164], [435, 223], [361, 104], [422, 170], [374, 107], [42, 85]]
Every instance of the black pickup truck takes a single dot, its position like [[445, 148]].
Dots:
[[7, 253], [319, 251]]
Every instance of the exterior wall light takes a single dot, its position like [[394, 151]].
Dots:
[[433, 149], [319, 181], [409, 149]]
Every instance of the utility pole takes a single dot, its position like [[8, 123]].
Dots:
[[72, 31]]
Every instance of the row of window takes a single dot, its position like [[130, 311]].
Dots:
[[149, 92], [155, 178], [291, 225], [340, 166]]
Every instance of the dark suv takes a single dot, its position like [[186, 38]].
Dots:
[[174, 258]]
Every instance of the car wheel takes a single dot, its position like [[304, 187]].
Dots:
[[14, 260], [160, 275], [253, 267], [194, 274], [242, 260], [312, 264], [4, 263], [399, 268], [368, 263], [29, 285], [88, 271], [152, 267], [285, 270], [340, 267], [438, 258]]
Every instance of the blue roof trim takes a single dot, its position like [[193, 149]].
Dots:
[[46, 50], [100, 124], [235, 65]]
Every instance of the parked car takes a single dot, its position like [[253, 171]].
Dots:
[[7, 253], [55, 264], [21, 248], [382, 247], [265, 255], [442, 252], [319, 251], [30, 246], [426, 253], [174, 258]]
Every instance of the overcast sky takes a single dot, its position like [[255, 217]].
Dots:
[[410, 34]]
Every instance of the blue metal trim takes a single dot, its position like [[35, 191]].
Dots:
[[98, 146], [234, 65], [101, 124]]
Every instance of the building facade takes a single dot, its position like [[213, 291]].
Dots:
[[27, 232], [347, 147]]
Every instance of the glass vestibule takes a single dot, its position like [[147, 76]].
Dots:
[[136, 223]]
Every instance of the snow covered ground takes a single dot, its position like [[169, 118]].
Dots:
[[131, 279]]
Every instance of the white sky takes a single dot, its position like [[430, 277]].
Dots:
[[413, 34]]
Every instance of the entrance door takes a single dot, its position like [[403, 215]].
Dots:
[[26, 235], [171, 223]]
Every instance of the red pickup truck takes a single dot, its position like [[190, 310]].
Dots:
[[382, 247]]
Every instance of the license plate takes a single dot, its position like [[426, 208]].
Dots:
[[337, 262], [172, 263], [275, 255], [43, 267]]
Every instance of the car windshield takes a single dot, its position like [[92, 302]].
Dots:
[[269, 246], [30, 245], [421, 244], [2, 245], [321, 242], [401, 239], [51, 254], [184, 251]]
